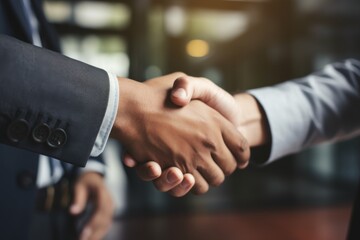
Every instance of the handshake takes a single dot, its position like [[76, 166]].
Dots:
[[185, 133]]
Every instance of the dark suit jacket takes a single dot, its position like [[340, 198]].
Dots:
[[49, 104], [41, 87]]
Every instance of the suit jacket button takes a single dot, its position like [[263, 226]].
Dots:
[[57, 138], [41, 133], [18, 130], [26, 180]]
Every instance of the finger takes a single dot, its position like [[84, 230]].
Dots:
[[224, 159], [201, 186], [129, 161], [80, 199], [184, 187], [170, 178], [211, 172], [149, 171], [100, 221], [236, 143]]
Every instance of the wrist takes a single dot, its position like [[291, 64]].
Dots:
[[252, 122], [136, 101], [122, 121]]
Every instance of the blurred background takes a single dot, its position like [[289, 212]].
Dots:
[[239, 45]]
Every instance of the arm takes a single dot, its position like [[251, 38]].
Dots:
[[65, 97], [152, 130], [293, 115], [71, 98], [201, 89], [324, 106], [287, 117]]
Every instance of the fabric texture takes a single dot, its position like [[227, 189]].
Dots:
[[321, 107]]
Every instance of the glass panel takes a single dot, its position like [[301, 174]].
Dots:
[[108, 52], [58, 11], [101, 14], [89, 14]]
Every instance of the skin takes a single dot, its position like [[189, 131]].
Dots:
[[90, 187], [241, 109], [153, 129], [196, 139]]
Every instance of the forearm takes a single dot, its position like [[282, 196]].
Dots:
[[321, 107]]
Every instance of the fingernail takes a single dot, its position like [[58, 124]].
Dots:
[[172, 177], [185, 185], [179, 93], [86, 233]]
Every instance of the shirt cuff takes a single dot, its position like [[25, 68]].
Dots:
[[284, 119], [93, 166], [109, 117]]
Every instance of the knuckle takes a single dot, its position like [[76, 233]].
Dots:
[[209, 141], [205, 137]]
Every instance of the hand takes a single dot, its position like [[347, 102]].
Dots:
[[195, 138], [90, 187], [242, 110], [172, 180]]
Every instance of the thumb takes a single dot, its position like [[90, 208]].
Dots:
[[182, 91], [80, 199], [189, 88]]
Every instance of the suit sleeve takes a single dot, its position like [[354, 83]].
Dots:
[[324, 106], [50, 104]]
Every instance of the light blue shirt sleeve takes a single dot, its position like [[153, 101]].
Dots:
[[321, 107]]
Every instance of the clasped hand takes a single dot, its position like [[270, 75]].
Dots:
[[195, 145]]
